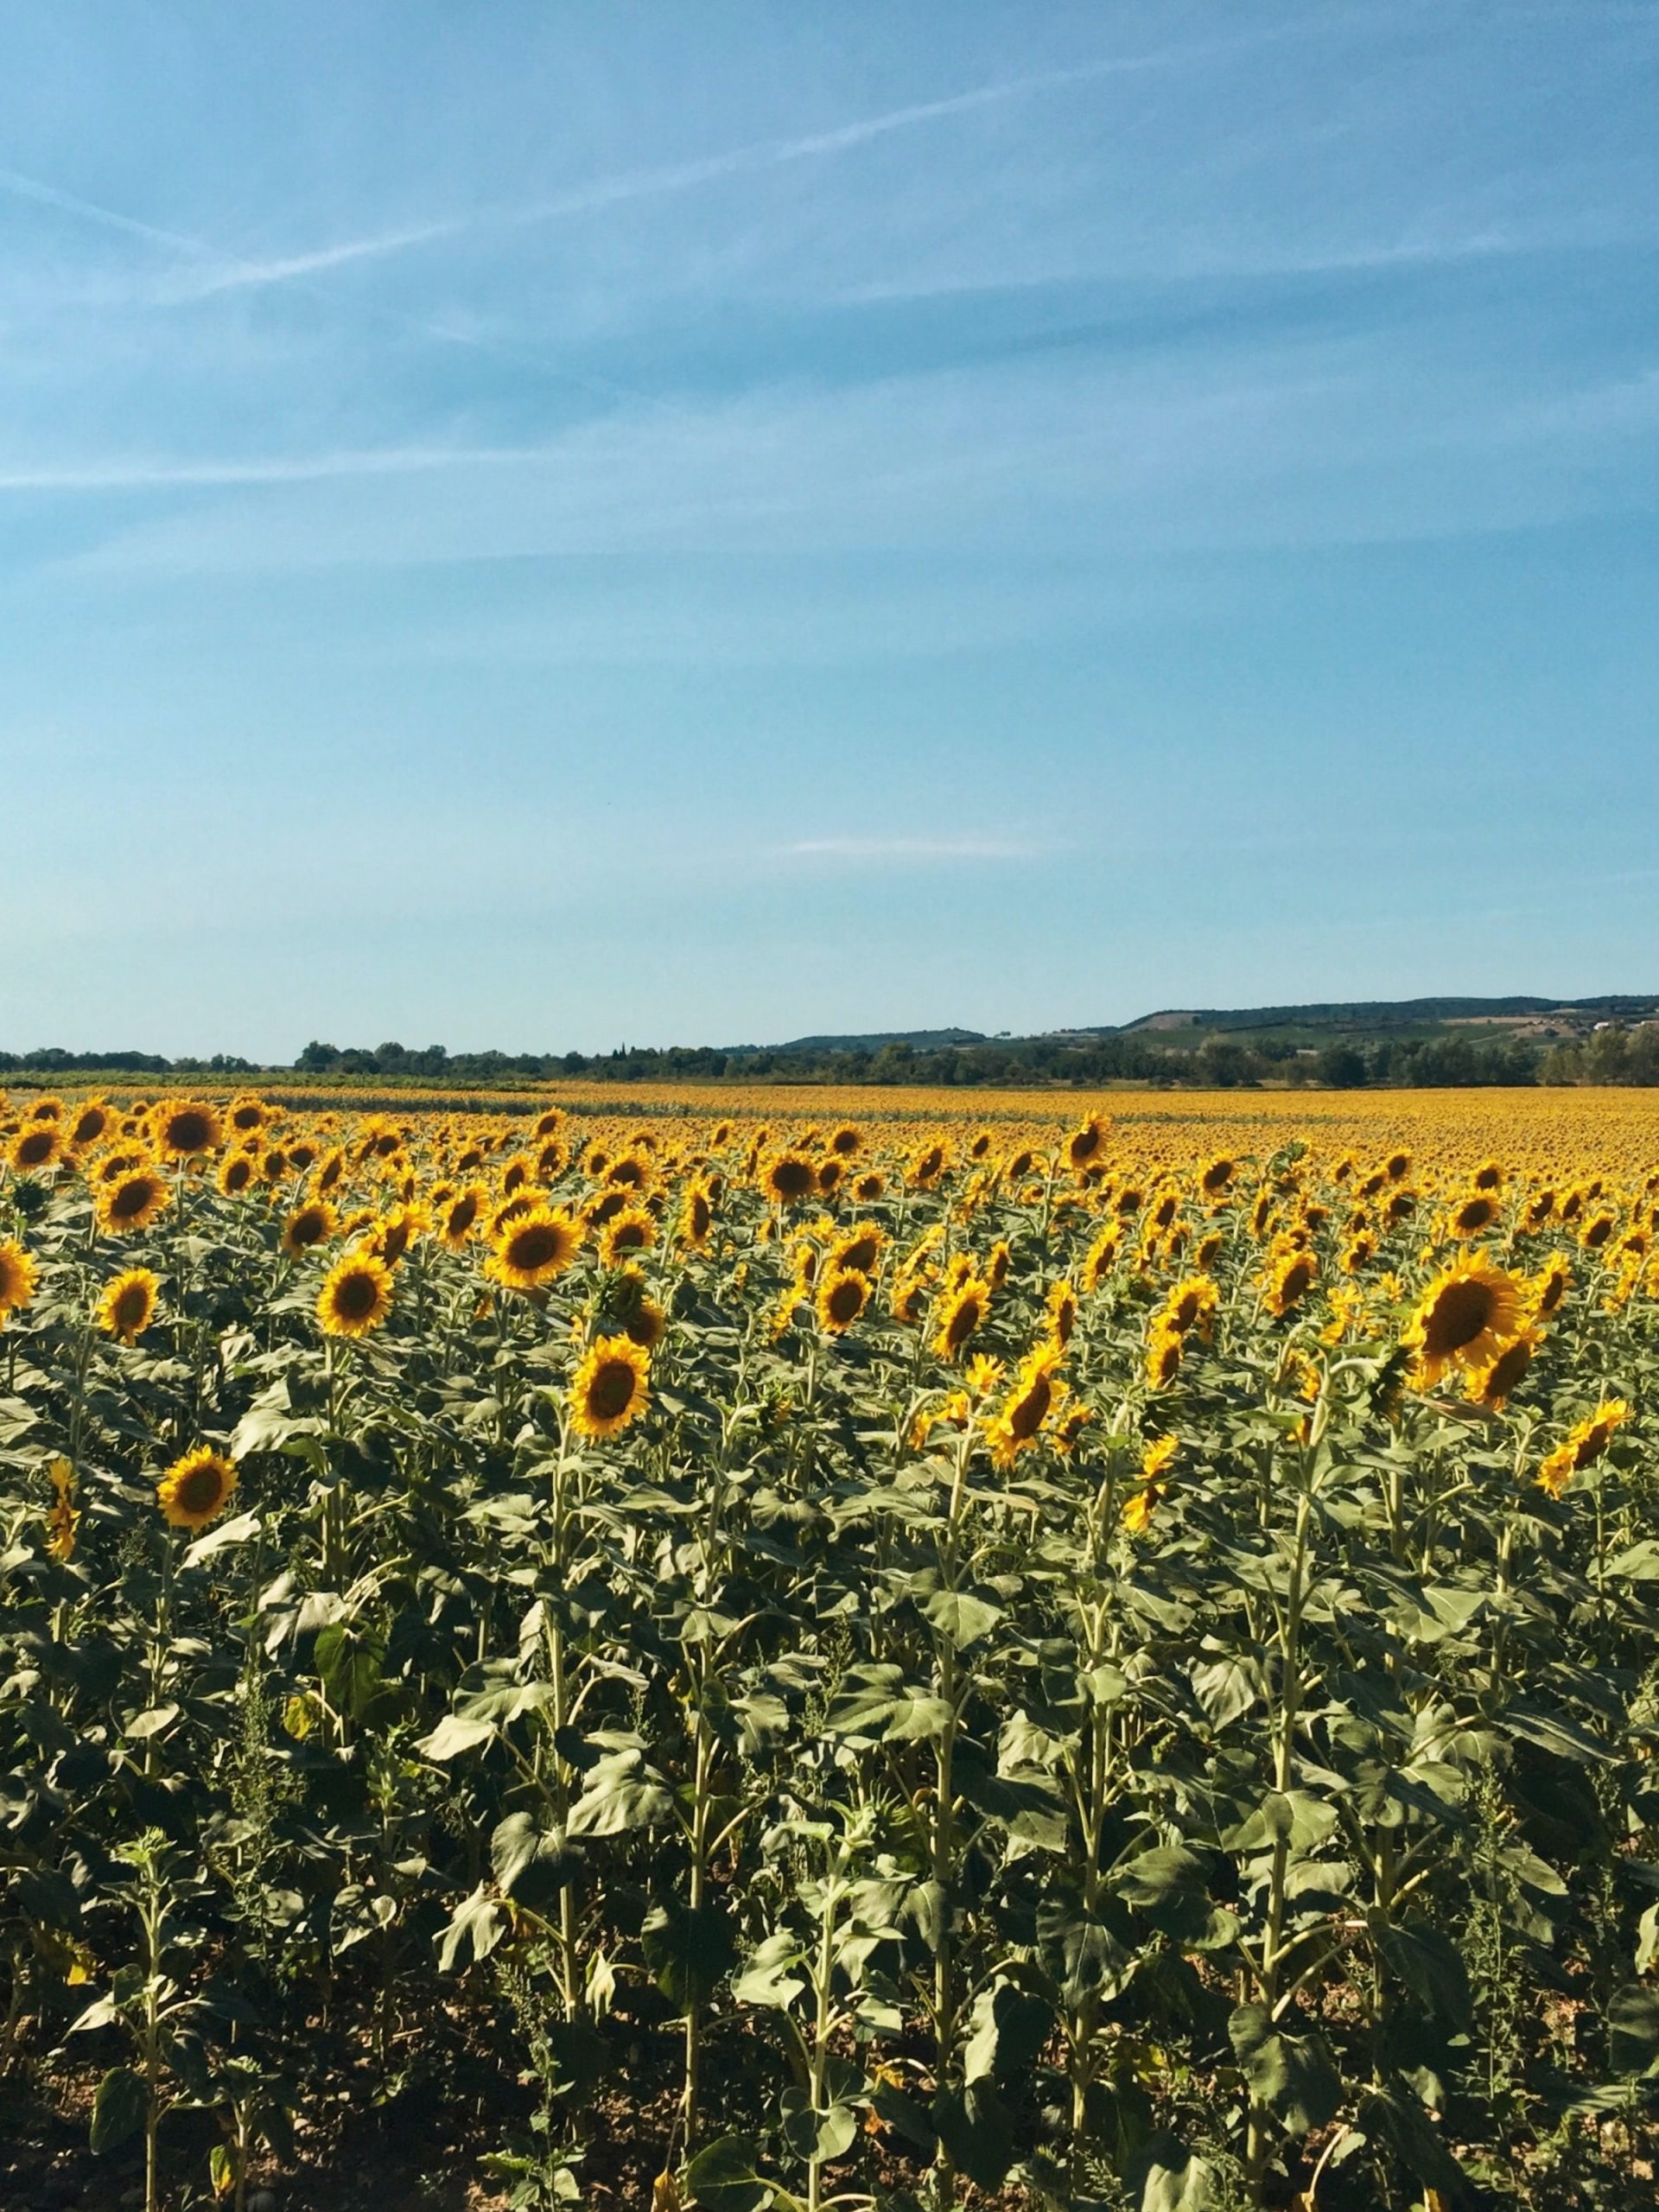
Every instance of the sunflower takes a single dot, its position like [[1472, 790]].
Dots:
[[552, 1159], [1164, 1348], [647, 1324], [1100, 1258], [696, 1217], [1217, 1176], [630, 1173], [128, 1306], [869, 1188], [247, 1115], [1539, 1208], [549, 1123], [1190, 1305], [1062, 1307], [531, 1251], [1036, 1393], [1471, 1215], [634, 1229], [961, 1311], [1547, 1289], [1492, 1385], [181, 1131], [1291, 1279], [356, 1295], [1086, 1142], [237, 1173], [860, 1248], [311, 1225], [63, 1515], [788, 1179], [16, 1278], [396, 1231], [459, 1216], [37, 1145], [1597, 1230], [843, 1295], [998, 1261], [196, 1488], [1467, 1314], [134, 1200], [91, 1125], [1583, 1446], [844, 1142], [610, 1386], [927, 1166]]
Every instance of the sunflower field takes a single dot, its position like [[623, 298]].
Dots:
[[870, 1659]]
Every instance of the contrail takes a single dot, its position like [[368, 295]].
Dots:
[[233, 271]]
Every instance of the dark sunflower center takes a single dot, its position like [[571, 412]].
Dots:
[[1461, 1312], [611, 1392], [132, 1198], [39, 1145], [132, 1307], [1029, 1413], [790, 1178], [187, 1132], [845, 1299], [533, 1248], [356, 1296], [198, 1492]]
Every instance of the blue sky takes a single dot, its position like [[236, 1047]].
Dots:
[[548, 525]]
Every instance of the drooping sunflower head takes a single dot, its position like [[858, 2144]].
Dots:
[[534, 1248], [196, 1488], [1550, 1288], [696, 1217], [1492, 1385], [927, 1166], [611, 1387], [18, 1277], [128, 1304], [1062, 1311], [1086, 1142], [962, 1310], [182, 1130], [306, 1228], [1467, 1314], [133, 1200], [356, 1295]]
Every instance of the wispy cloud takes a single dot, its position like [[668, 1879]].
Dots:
[[160, 475], [223, 271], [899, 849]]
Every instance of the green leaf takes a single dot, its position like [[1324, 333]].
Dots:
[[1633, 2029], [1431, 1967], [453, 1735], [239, 1531], [767, 1979], [689, 1950], [1008, 2030], [1226, 1688], [119, 2109], [722, 2178], [1291, 2075], [1166, 2176], [476, 1926], [529, 1863], [960, 1619], [349, 1661], [975, 2128], [621, 1793]]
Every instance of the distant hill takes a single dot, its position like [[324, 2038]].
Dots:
[[1385, 1013], [920, 1040]]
